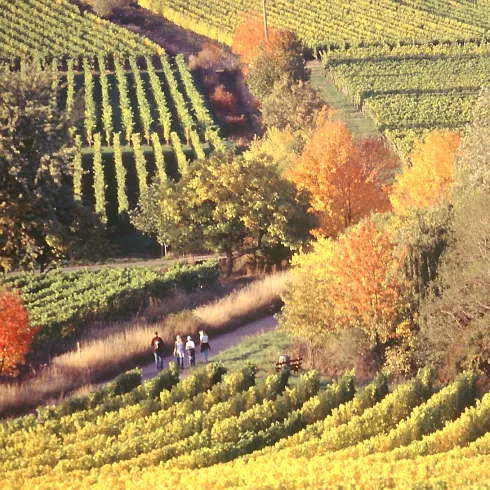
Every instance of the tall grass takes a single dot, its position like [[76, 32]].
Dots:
[[248, 303], [106, 351]]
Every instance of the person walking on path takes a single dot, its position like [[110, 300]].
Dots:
[[179, 352], [204, 341], [190, 347], [157, 345]]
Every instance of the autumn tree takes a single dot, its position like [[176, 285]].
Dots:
[[281, 147], [454, 333], [226, 204], [15, 332], [249, 36], [368, 286], [354, 283], [40, 222], [342, 174], [429, 178], [308, 313]]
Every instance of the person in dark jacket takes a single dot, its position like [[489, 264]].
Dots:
[[157, 345]]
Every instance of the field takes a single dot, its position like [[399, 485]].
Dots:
[[142, 114], [409, 90], [271, 435], [335, 23], [62, 302], [48, 28], [412, 66]]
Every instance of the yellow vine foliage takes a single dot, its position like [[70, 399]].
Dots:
[[430, 177]]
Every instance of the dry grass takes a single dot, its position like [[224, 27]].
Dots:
[[246, 303], [106, 351]]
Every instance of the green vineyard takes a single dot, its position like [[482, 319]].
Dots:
[[56, 28], [413, 66], [62, 302], [409, 90], [336, 23], [270, 434], [142, 114]]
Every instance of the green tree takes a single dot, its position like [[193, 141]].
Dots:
[[40, 222], [226, 204], [282, 56], [292, 106]]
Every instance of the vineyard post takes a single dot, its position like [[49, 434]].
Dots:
[[264, 6]]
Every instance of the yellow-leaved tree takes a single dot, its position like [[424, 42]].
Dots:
[[430, 177], [355, 283]]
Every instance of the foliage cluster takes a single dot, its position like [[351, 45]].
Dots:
[[227, 204]]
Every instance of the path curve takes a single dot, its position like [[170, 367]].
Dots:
[[218, 344]]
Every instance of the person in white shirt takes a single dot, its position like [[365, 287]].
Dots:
[[190, 347], [204, 341]]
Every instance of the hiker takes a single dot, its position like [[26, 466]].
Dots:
[[204, 341], [190, 347], [179, 352], [157, 345]]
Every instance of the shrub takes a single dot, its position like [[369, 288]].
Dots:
[[104, 8], [15, 333], [224, 102]]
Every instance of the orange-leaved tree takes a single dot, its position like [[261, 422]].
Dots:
[[15, 333], [249, 36], [368, 289], [342, 175], [430, 177]]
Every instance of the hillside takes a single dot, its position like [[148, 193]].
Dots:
[[335, 23]]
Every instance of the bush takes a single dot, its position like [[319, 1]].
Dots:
[[280, 57], [104, 8], [15, 333], [224, 102]]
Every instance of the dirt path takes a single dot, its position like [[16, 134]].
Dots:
[[131, 263], [218, 344]]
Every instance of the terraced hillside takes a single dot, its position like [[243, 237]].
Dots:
[[412, 65], [57, 28], [409, 90]]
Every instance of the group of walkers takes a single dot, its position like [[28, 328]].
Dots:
[[180, 350]]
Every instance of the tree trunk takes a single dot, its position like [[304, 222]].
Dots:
[[229, 263]]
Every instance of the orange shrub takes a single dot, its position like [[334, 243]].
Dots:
[[15, 333]]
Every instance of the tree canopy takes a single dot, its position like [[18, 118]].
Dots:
[[40, 222], [226, 204], [15, 332], [342, 174], [429, 178]]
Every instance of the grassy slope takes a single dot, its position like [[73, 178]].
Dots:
[[262, 349], [361, 125]]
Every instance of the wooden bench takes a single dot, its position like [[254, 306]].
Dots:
[[294, 364]]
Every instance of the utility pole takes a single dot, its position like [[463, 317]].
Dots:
[[264, 6]]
